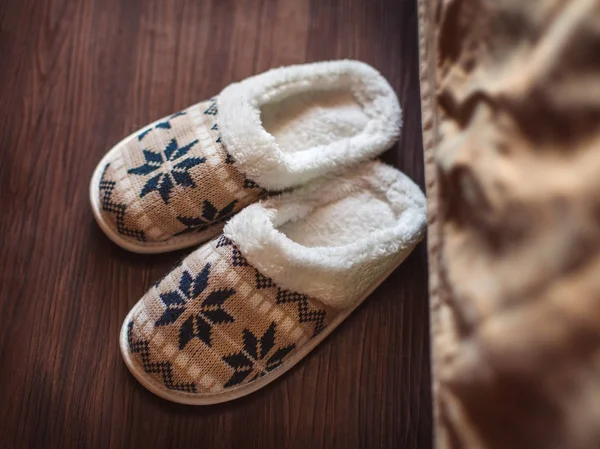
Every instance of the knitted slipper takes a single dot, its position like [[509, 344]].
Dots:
[[246, 307], [173, 183]]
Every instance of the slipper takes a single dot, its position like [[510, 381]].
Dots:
[[175, 182], [247, 306]]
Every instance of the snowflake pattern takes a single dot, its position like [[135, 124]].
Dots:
[[201, 316], [254, 350], [210, 215], [161, 125], [212, 108], [170, 174]]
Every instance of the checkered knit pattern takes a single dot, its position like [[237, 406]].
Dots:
[[173, 178], [215, 323]]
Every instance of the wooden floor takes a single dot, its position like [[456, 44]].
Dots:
[[77, 76]]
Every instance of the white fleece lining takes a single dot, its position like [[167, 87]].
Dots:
[[290, 125], [339, 222], [336, 236], [312, 119]]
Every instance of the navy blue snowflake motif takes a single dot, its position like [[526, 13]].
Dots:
[[204, 315], [215, 127], [210, 215], [212, 107], [162, 125], [255, 350], [170, 173]]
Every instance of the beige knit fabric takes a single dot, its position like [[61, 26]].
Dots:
[[172, 178], [215, 323]]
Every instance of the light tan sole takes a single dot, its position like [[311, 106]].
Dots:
[[173, 244], [243, 390]]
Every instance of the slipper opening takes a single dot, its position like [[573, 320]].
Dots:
[[352, 216], [313, 119], [290, 125]]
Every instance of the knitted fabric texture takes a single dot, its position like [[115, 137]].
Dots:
[[173, 178], [215, 323]]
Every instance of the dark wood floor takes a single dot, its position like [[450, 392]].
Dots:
[[75, 77]]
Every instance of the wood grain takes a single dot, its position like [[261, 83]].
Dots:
[[77, 76]]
